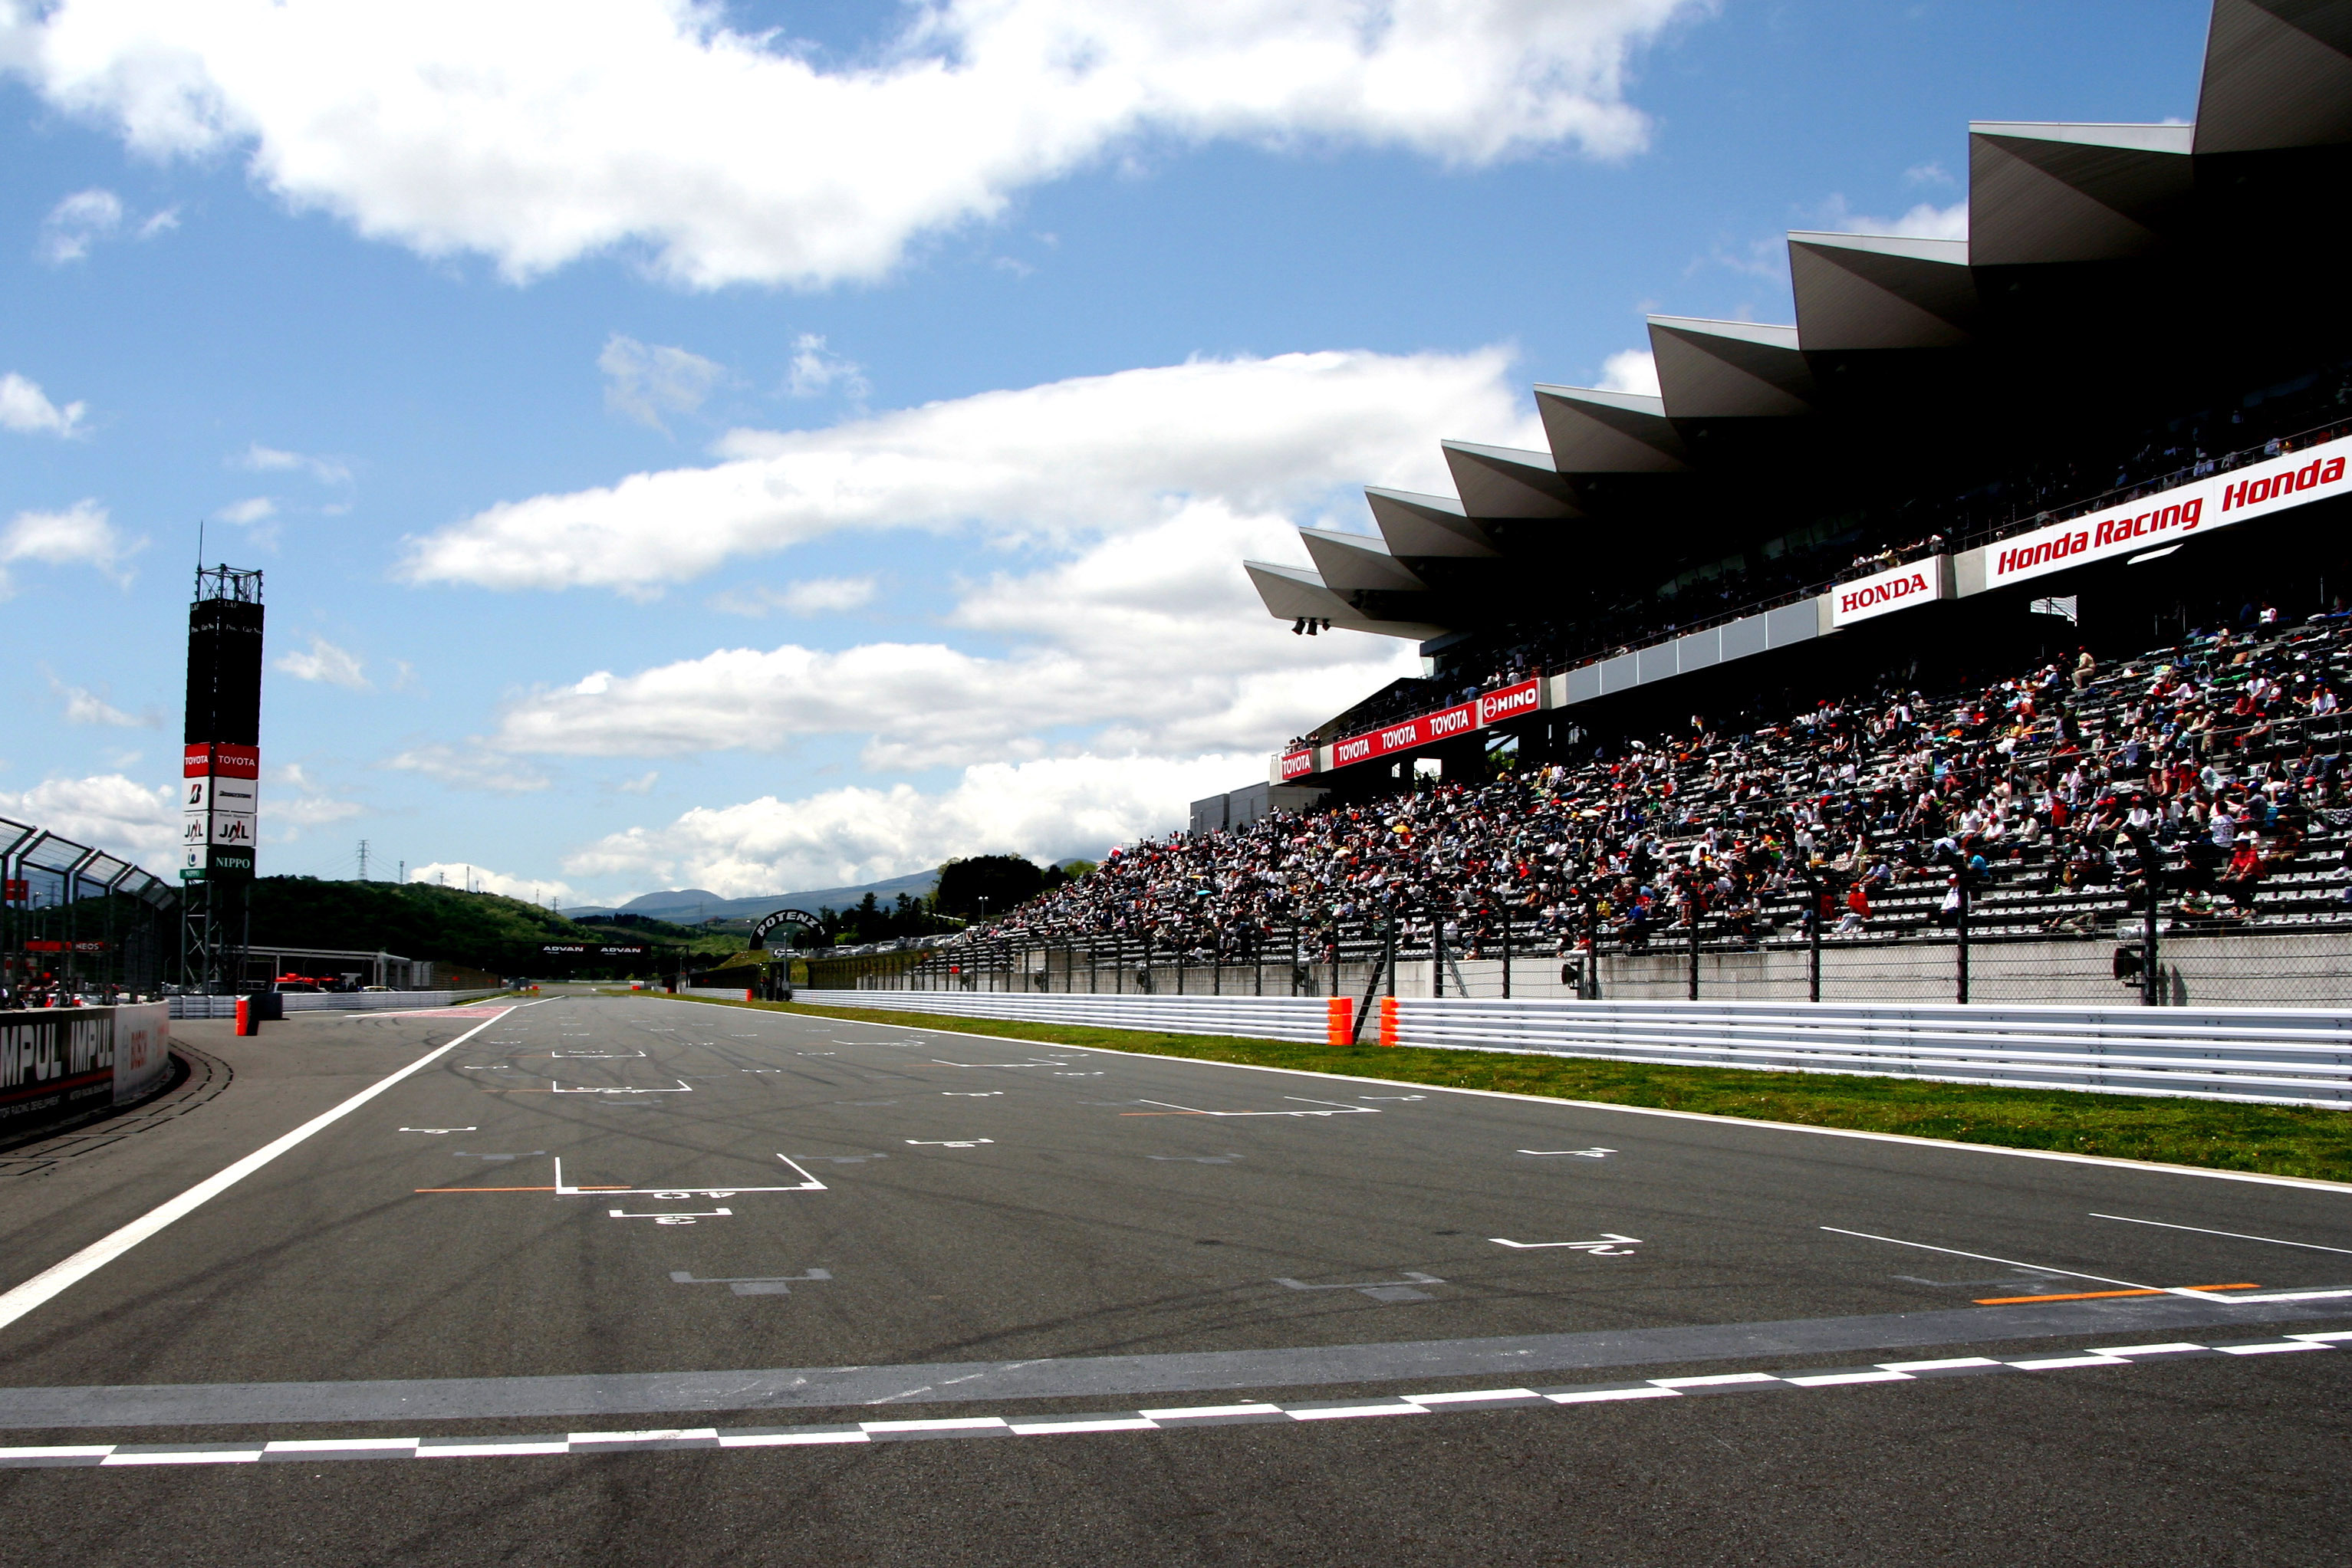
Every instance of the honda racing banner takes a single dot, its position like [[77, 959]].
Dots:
[[1883, 594], [2171, 516]]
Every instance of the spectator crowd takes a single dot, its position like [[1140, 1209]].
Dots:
[[2213, 763]]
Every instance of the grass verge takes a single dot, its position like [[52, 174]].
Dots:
[[2276, 1140]]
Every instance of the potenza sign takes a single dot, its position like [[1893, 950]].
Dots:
[[2171, 515], [1883, 594]]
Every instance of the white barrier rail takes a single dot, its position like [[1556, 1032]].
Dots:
[[717, 993], [2272, 1055], [1308, 1019], [330, 1002]]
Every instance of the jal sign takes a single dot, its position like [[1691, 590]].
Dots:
[[2169, 517], [1885, 592]]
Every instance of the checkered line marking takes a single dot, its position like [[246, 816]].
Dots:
[[318, 1450]]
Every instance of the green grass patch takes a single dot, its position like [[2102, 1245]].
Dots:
[[2276, 1140]]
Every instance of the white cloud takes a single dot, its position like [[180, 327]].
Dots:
[[1927, 174], [81, 535], [463, 874], [645, 381], [536, 132], [1049, 809], [253, 509], [27, 411], [1631, 370], [1156, 634], [1092, 455], [108, 811], [812, 596], [641, 785], [161, 223], [78, 222], [1926, 221], [324, 661], [816, 372], [301, 802], [86, 707], [262, 459], [470, 767]]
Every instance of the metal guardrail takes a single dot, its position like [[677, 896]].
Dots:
[[332, 1001], [1307, 1019], [2271, 1055]]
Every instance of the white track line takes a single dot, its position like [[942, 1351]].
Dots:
[[2309, 1184], [2238, 1235], [61, 1277], [1988, 1257]]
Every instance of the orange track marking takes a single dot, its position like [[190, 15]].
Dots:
[[2096, 1295], [609, 1188]]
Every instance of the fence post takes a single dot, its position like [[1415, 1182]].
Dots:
[[1692, 911], [1960, 929], [1814, 943], [1506, 954], [1335, 958], [2150, 979], [1437, 955]]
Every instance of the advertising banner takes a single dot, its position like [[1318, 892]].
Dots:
[[55, 1064], [1296, 765], [1509, 702], [1885, 592], [2171, 515]]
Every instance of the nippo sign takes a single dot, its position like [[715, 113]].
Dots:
[[2171, 515], [1883, 594]]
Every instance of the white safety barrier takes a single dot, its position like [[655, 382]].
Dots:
[[717, 993], [2274, 1055], [330, 1002], [1309, 1019]]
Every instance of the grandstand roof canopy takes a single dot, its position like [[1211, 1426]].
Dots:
[[2113, 277]]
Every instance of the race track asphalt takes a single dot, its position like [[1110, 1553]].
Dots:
[[644, 1281]]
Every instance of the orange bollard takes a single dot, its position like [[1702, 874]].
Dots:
[[246, 1021], [1387, 1021], [1342, 1018]]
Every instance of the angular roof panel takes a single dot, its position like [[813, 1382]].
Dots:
[[1877, 291], [2278, 73], [1729, 370], [1349, 563], [1505, 482], [1428, 525], [2046, 193], [1290, 593], [1594, 432]]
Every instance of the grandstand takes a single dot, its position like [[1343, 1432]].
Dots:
[[1980, 619]]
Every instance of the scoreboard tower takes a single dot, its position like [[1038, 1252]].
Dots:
[[219, 793]]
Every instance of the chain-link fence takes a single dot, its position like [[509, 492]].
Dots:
[[78, 921], [1954, 961]]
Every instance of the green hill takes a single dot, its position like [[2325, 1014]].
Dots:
[[421, 920]]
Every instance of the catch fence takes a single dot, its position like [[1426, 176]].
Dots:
[[77, 921], [2123, 962]]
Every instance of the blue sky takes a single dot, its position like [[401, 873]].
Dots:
[[775, 445]]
